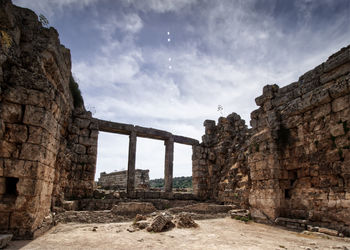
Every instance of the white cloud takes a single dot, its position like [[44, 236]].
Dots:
[[160, 6], [232, 51], [51, 7], [127, 22]]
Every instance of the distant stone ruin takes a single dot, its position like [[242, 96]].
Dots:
[[118, 180], [293, 165]]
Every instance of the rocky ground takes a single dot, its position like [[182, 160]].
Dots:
[[220, 233]]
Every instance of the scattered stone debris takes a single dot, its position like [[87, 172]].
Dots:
[[184, 220], [161, 222], [140, 217], [4, 240]]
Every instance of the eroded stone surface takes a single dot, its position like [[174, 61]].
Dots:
[[47, 146], [295, 160]]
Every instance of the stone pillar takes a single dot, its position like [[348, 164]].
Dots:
[[131, 163], [168, 168]]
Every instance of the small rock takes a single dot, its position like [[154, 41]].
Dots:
[[328, 231], [5, 239], [131, 229], [139, 217], [184, 220]]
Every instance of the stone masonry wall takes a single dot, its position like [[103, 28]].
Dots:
[[220, 168], [301, 165], [295, 161], [46, 152]]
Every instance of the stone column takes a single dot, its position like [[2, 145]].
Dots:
[[168, 168], [131, 163]]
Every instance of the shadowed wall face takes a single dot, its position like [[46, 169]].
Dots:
[[46, 153]]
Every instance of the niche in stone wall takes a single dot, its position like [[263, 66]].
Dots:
[[292, 177], [8, 189]]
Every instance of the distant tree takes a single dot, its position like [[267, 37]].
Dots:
[[220, 109], [178, 182]]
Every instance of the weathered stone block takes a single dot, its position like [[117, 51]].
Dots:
[[27, 96], [10, 112], [339, 88], [87, 141], [40, 117], [340, 103], [16, 133], [29, 187], [92, 150], [335, 73], [19, 168], [32, 152], [94, 133], [82, 123], [79, 149], [337, 129]]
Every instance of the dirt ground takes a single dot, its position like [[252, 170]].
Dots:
[[223, 233]]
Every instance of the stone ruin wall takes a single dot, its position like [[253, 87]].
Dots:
[[47, 147], [295, 160], [118, 180], [301, 165], [219, 166]]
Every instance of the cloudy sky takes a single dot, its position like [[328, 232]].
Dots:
[[169, 64]]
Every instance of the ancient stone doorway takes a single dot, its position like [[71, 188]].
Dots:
[[112, 153], [135, 132], [150, 156], [182, 167]]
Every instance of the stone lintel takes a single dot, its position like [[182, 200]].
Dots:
[[185, 140], [152, 133], [115, 127]]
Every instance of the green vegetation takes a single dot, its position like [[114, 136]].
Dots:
[[43, 20], [178, 182], [243, 218], [76, 93], [6, 40]]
